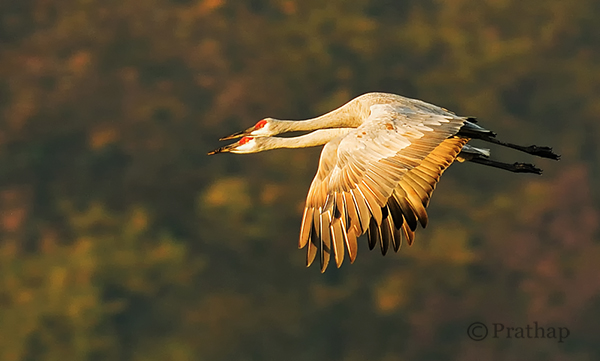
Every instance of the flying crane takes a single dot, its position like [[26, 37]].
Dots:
[[383, 155]]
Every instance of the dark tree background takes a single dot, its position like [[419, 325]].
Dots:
[[121, 240]]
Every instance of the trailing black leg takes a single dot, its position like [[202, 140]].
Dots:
[[544, 152], [515, 167]]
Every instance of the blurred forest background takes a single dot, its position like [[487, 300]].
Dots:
[[120, 239]]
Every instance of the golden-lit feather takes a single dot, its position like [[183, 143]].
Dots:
[[364, 180]]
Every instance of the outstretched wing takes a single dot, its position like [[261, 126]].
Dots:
[[377, 179]]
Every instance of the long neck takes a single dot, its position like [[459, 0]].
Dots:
[[316, 138], [347, 116]]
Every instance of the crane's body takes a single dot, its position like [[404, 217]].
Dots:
[[383, 155]]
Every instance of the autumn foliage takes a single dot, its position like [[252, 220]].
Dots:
[[121, 240]]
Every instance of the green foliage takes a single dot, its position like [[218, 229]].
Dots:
[[121, 240]]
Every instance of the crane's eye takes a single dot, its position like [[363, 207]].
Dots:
[[260, 124], [245, 140]]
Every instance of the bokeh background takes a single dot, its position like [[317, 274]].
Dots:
[[120, 239]]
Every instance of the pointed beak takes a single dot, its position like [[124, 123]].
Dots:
[[224, 149], [238, 134]]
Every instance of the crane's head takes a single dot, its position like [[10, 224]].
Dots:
[[244, 145], [263, 128]]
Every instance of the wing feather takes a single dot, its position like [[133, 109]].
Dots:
[[371, 201], [415, 204], [338, 241], [325, 240], [408, 234], [305, 228], [352, 245], [352, 221], [421, 193], [397, 239], [374, 184], [373, 234], [409, 216], [317, 221], [396, 212], [311, 250], [426, 175], [387, 234], [377, 179], [361, 208], [424, 186]]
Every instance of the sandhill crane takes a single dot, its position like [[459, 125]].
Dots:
[[382, 159]]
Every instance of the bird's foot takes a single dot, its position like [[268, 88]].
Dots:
[[545, 152], [525, 168]]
